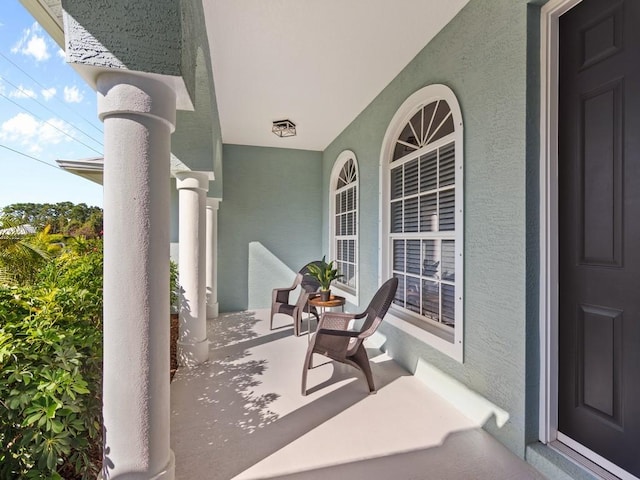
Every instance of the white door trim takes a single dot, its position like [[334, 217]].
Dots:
[[549, 30]]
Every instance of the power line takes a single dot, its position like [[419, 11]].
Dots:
[[51, 111], [49, 123], [44, 88], [31, 157]]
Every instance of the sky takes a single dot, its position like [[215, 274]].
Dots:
[[47, 112]]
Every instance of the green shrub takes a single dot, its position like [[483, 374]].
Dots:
[[81, 269], [173, 285], [51, 372]]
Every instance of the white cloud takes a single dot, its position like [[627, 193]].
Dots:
[[72, 95], [51, 132], [32, 44], [23, 92], [27, 131], [61, 54], [22, 125], [37, 48], [48, 93]]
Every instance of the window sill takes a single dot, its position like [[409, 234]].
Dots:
[[438, 338]]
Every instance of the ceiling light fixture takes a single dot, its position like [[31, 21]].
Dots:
[[284, 128]]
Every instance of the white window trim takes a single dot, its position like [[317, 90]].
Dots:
[[417, 100], [343, 158]]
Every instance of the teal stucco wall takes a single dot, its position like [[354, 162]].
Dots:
[[482, 56], [270, 215], [144, 36], [197, 139]]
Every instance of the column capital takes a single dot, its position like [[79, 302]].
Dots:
[[128, 93], [193, 180], [213, 202]]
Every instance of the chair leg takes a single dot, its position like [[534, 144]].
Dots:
[[297, 322], [361, 359], [305, 369], [271, 320]]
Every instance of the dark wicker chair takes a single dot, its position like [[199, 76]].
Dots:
[[280, 298], [335, 341]]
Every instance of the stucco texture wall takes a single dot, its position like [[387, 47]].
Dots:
[[271, 214], [197, 139], [482, 56], [144, 36]]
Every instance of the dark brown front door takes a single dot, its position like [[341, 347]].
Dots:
[[599, 228]]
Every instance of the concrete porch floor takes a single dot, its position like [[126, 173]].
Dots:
[[241, 416]]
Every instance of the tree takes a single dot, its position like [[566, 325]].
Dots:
[[23, 255], [64, 217]]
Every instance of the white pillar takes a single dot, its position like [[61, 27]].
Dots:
[[193, 346], [212, 257], [139, 115]]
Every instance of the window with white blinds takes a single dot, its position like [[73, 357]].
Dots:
[[344, 241], [422, 193]]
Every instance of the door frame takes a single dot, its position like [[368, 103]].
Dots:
[[548, 307], [549, 236]]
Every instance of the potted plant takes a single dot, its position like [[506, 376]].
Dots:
[[324, 273]]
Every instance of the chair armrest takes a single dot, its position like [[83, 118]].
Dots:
[[285, 289], [339, 333], [281, 295]]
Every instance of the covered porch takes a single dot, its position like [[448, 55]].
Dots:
[[241, 415], [206, 81]]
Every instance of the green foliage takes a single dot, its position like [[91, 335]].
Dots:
[[325, 273], [51, 371], [45, 241], [65, 217], [80, 265], [22, 255], [173, 284]]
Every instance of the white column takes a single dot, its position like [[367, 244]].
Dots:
[[193, 346], [139, 115], [212, 257]]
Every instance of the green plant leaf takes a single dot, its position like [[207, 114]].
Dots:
[[33, 418], [56, 426], [78, 388], [51, 459], [51, 410]]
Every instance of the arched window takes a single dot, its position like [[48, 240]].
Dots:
[[344, 223], [421, 171]]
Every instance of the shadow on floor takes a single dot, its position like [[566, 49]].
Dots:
[[241, 416], [232, 424], [483, 459]]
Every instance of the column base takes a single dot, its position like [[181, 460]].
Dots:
[[191, 354], [212, 310], [167, 473]]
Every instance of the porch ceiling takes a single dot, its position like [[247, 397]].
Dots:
[[318, 64]]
